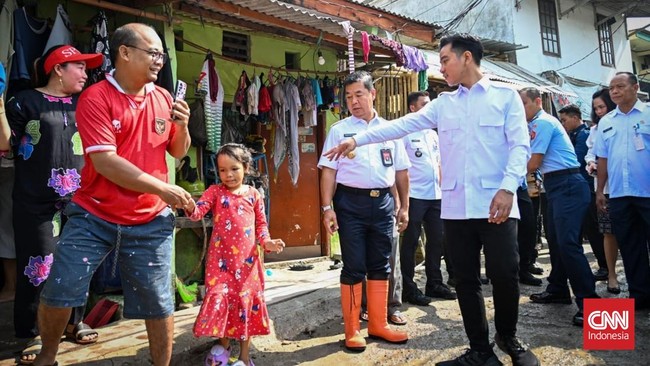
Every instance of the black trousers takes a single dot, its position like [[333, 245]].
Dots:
[[631, 226], [499, 242], [526, 230], [422, 213]]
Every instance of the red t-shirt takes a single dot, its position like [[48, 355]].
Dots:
[[139, 130]]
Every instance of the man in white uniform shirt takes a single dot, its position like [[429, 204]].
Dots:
[[363, 207], [484, 148], [423, 149]]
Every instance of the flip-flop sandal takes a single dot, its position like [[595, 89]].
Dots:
[[80, 331], [301, 267], [32, 348], [397, 319]]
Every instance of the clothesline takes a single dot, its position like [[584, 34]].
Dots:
[[282, 69]]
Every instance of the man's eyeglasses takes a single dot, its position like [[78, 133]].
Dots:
[[155, 55]]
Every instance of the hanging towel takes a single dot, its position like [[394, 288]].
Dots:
[[414, 58], [365, 42], [349, 31]]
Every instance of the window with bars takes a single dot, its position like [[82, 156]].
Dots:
[[605, 41], [548, 27], [235, 45]]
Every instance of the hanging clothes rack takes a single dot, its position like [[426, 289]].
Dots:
[[279, 69]]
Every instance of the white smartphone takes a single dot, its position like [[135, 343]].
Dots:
[[181, 89]]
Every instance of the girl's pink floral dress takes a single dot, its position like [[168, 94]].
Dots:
[[234, 304]]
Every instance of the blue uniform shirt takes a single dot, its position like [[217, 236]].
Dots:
[[548, 137], [628, 165], [484, 145]]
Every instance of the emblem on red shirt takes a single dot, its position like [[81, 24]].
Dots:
[[160, 125]]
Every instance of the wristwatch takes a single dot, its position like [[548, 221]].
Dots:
[[325, 208]]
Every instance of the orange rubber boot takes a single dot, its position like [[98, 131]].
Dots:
[[377, 294], [351, 306]]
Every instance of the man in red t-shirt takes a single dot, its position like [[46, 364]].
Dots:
[[127, 124]]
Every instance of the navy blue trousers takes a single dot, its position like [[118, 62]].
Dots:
[[568, 199], [366, 235]]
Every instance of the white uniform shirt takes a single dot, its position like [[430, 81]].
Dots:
[[423, 150], [484, 145], [366, 169]]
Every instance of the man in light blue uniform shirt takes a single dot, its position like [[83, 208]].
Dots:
[[363, 208], [423, 149], [568, 197], [623, 150], [484, 147]]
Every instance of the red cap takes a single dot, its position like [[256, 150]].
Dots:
[[68, 53]]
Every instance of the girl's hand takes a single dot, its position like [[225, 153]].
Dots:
[[190, 206], [274, 245]]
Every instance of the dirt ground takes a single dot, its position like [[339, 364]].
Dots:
[[436, 333], [308, 330]]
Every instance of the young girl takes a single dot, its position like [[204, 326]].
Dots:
[[234, 306]]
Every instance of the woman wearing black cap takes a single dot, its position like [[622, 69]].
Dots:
[[48, 159]]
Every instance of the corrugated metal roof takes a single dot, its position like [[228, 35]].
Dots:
[[505, 72], [371, 4]]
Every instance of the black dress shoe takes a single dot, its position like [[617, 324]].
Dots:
[[473, 358], [601, 274], [518, 352], [548, 298], [535, 269], [441, 292], [528, 279], [578, 319], [417, 299]]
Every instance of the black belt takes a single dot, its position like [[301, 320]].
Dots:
[[562, 172], [375, 192]]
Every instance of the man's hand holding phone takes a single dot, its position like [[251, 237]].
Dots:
[[180, 113]]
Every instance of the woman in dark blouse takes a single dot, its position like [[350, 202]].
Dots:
[[48, 158]]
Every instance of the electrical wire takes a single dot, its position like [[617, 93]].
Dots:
[[597, 48], [478, 16]]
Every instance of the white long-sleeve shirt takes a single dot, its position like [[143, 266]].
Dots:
[[484, 145]]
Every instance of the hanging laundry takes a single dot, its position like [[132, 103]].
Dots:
[[30, 37], [264, 102], [7, 34], [253, 94], [315, 85], [396, 47], [414, 58], [279, 110], [210, 84], [241, 95], [293, 102], [423, 80], [349, 31], [365, 43], [309, 106], [61, 30], [99, 44]]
